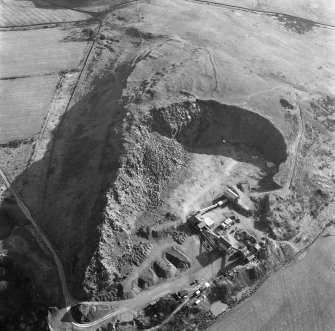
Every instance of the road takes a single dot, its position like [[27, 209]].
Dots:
[[69, 300]]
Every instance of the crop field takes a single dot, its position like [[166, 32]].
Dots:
[[26, 100], [298, 298], [15, 13], [36, 52]]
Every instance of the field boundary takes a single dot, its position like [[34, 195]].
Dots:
[[47, 25]]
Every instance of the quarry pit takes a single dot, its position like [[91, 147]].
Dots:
[[167, 104]]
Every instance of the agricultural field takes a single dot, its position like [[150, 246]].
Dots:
[[29, 76], [41, 63], [38, 52], [18, 13], [27, 100]]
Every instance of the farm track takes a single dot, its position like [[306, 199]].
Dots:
[[259, 11], [46, 25]]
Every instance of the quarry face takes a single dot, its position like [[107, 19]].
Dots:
[[180, 116]]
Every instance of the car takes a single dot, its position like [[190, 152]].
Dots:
[[196, 293], [195, 282], [197, 302], [224, 226]]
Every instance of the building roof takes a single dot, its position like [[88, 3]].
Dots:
[[209, 222], [230, 194]]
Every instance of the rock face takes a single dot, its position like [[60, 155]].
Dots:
[[205, 123]]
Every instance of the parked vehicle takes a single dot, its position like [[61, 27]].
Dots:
[[197, 302], [197, 293], [183, 294]]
